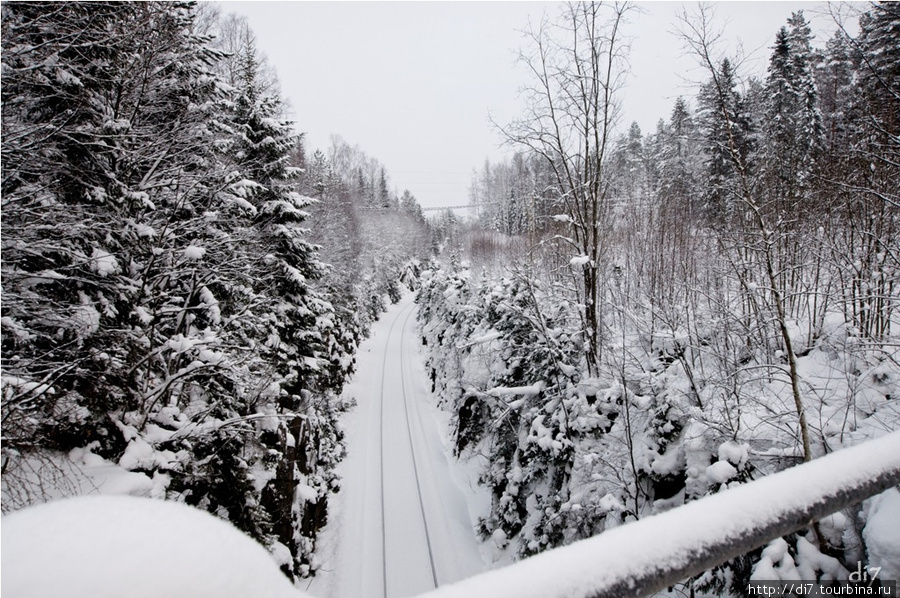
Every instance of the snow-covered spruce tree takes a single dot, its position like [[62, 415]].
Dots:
[[876, 154], [792, 125], [101, 284], [726, 129], [307, 360], [336, 233], [386, 241], [678, 164], [155, 292], [632, 181], [123, 330], [678, 212], [507, 357], [837, 99], [791, 164]]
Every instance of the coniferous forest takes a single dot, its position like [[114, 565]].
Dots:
[[629, 321]]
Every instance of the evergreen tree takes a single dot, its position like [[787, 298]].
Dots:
[[779, 122], [158, 304], [808, 117], [99, 283], [631, 163], [306, 353], [872, 184], [879, 74], [384, 195], [792, 123], [727, 142], [677, 162], [261, 152], [838, 98]]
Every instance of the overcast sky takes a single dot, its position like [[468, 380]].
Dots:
[[414, 83]]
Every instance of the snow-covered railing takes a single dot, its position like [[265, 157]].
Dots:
[[652, 554]]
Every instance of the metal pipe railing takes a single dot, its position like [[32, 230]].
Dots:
[[646, 556]]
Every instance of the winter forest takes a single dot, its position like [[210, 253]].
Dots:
[[625, 322]]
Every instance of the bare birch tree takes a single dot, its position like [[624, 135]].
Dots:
[[577, 66]]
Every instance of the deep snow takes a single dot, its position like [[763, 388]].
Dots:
[[115, 546]]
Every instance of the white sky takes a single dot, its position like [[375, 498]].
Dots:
[[413, 83]]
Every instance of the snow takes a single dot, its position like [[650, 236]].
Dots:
[[720, 472], [103, 262], [85, 320], [671, 539], [530, 390], [12, 325], [611, 503], [15, 384], [138, 455], [484, 338], [113, 546], [143, 315], [145, 230], [355, 548], [670, 462], [212, 305], [210, 356], [67, 78], [194, 252], [776, 563], [307, 493], [179, 343], [766, 567], [580, 260], [43, 277], [734, 452], [881, 534], [810, 561]]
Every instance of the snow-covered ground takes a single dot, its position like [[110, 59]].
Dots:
[[404, 519], [114, 546]]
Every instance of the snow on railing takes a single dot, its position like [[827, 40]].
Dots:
[[640, 558]]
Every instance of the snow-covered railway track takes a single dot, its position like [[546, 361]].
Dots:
[[404, 523], [404, 373], [401, 524]]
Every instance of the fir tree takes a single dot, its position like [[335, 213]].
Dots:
[[122, 122], [837, 99], [301, 343], [727, 141], [879, 73], [792, 124], [677, 162]]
